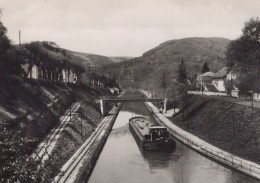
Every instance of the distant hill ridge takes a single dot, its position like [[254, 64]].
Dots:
[[167, 56], [97, 60], [191, 49]]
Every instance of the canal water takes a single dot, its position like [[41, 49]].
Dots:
[[122, 161]]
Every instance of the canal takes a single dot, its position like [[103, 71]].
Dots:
[[122, 161]]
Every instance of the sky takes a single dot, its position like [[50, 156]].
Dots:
[[123, 27]]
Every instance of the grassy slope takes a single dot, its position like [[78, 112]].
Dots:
[[211, 120], [70, 139], [33, 107], [27, 105]]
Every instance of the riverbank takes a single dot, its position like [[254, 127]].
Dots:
[[205, 148]]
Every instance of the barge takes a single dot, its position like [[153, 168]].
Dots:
[[150, 137]]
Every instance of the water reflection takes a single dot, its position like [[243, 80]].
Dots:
[[122, 161], [158, 160]]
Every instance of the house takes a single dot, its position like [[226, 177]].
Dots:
[[64, 75], [215, 82], [256, 96], [219, 78], [71, 76], [33, 73], [204, 81]]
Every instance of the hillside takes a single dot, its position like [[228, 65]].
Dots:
[[147, 69], [208, 117], [90, 60], [49, 55], [29, 110]]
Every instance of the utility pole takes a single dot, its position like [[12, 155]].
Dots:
[[202, 87], [81, 127], [19, 51], [233, 130], [70, 113], [252, 104], [19, 38], [182, 107]]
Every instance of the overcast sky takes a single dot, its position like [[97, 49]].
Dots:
[[123, 27]]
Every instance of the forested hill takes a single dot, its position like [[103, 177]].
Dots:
[[49, 55], [88, 59], [148, 69]]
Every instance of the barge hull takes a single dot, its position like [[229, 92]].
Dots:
[[158, 145]]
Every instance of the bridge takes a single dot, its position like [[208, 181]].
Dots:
[[120, 100]]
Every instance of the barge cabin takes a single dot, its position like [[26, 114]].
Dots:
[[150, 137]]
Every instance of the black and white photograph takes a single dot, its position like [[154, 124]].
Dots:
[[129, 91]]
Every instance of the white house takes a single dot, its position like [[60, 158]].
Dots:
[[214, 82], [75, 78], [71, 76], [64, 75], [219, 78], [34, 74], [256, 96]]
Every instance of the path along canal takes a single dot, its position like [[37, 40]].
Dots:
[[121, 160]]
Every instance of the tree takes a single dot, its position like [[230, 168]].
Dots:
[[5, 43], [182, 73], [8, 60], [183, 95], [244, 84], [16, 163], [162, 83], [205, 68], [163, 80], [172, 94], [229, 86], [182, 86], [252, 29], [243, 56]]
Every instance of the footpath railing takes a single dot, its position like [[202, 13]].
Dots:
[[223, 157], [207, 93]]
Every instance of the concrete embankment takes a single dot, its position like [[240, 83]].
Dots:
[[84, 122], [245, 166], [79, 167], [223, 123]]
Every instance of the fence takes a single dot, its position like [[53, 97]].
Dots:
[[207, 93], [222, 157]]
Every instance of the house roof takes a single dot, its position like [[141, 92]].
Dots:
[[211, 75], [206, 75], [221, 73]]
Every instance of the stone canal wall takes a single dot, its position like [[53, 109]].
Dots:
[[242, 165], [91, 150]]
